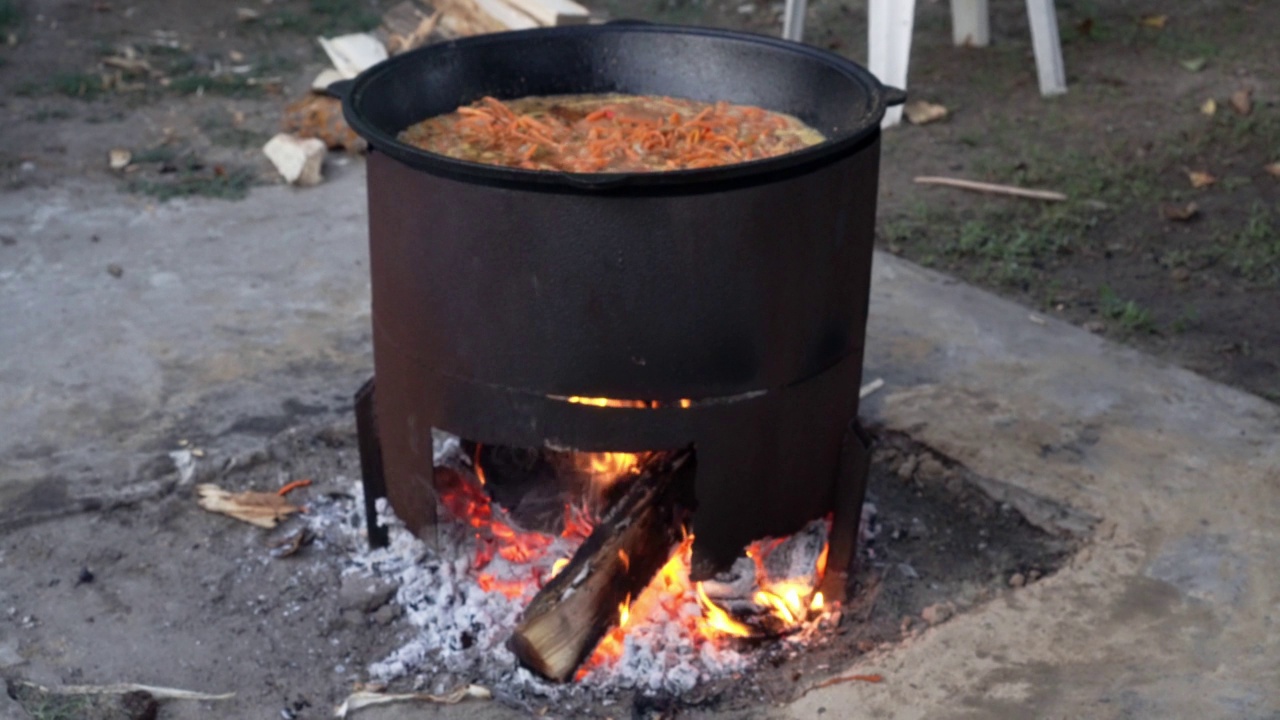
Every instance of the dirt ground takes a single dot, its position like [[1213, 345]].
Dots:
[[1120, 143], [291, 635]]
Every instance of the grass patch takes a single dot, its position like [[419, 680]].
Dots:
[[1126, 313], [225, 85], [327, 17], [10, 16], [180, 176], [84, 86], [1255, 248]]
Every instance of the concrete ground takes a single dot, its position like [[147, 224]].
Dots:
[[229, 322]]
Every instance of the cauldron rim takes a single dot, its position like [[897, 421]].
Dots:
[[362, 91]]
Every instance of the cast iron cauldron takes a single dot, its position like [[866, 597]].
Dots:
[[499, 292]]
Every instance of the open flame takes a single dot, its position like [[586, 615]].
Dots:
[[530, 559], [622, 403]]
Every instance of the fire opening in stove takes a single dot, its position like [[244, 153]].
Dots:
[[597, 548]]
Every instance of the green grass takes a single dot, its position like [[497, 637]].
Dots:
[[10, 16], [233, 184], [326, 17], [1126, 313], [1254, 249], [178, 175], [224, 85], [84, 86]]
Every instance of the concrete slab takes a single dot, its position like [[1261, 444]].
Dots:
[[1173, 608], [231, 321], [226, 324]]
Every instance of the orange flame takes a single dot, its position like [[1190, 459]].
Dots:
[[670, 594], [622, 403], [718, 620]]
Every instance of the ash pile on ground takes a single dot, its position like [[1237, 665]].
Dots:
[[935, 544]]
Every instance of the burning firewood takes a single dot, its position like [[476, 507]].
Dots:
[[635, 538]]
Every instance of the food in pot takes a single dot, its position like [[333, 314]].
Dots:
[[610, 133]]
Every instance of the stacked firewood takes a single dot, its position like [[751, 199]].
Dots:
[[314, 124]]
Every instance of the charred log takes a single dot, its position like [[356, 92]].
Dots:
[[634, 539]]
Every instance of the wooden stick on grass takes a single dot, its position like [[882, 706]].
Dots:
[[992, 188]]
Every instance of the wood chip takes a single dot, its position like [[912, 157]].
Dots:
[[553, 12], [256, 508], [920, 112], [1242, 101], [300, 161], [870, 388], [992, 188], [1209, 107], [119, 158], [405, 27], [1155, 21], [353, 54], [1200, 179], [247, 14], [363, 699], [1273, 169], [1179, 213], [158, 692], [476, 17]]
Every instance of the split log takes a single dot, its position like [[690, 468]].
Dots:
[[553, 12], [565, 620], [462, 18]]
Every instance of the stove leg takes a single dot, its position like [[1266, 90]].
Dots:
[[851, 490], [375, 483]]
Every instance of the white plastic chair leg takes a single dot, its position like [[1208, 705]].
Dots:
[[889, 26], [793, 20], [1048, 47], [970, 23]]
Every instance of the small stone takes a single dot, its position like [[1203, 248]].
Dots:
[[386, 614], [908, 467], [364, 593], [1017, 580], [85, 577], [115, 270], [937, 613], [298, 160], [1180, 274], [1033, 576], [1095, 326]]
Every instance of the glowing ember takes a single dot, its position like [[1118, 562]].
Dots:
[[622, 403]]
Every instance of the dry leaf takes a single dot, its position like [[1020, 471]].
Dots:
[[1200, 179], [1242, 101], [257, 508], [1155, 21], [1179, 213], [1273, 169], [1209, 107], [362, 699], [920, 112]]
